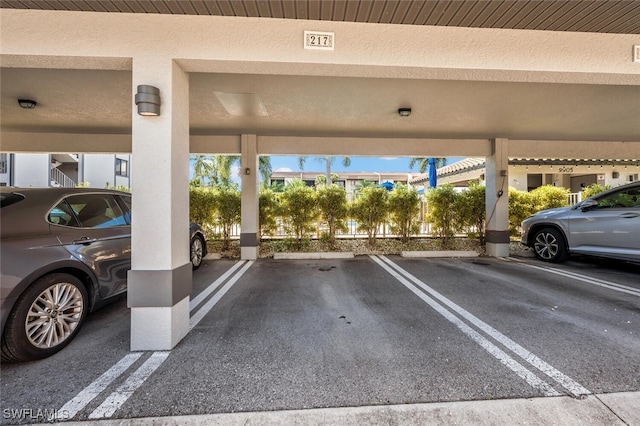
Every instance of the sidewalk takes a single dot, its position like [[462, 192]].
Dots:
[[606, 409]]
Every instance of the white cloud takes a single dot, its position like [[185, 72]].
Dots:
[[389, 158], [283, 169]]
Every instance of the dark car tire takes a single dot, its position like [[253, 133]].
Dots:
[[197, 251], [50, 329], [549, 245]]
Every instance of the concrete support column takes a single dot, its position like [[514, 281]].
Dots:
[[160, 276], [497, 199], [249, 240]]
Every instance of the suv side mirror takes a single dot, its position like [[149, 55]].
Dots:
[[587, 205]]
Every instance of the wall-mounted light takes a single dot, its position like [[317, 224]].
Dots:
[[247, 171], [27, 103], [148, 100], [404, 112]]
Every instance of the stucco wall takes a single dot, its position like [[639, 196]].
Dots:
[[31, 170]]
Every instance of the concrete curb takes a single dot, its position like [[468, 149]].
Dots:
[[439, 253], [314, 255], [617, 409]]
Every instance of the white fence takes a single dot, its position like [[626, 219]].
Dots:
[[574, 198], [351, 232], [352, 226]]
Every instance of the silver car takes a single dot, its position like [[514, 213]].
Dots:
[[65, 252], [605, 225]]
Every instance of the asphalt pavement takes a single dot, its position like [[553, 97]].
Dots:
[[369, 340]]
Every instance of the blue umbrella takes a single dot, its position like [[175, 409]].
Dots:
[[433, 173], [387, 185]]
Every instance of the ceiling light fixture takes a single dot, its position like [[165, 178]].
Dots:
[[27, 103], [404, 112], [148, 100]]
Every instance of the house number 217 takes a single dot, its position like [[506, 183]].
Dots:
[[318, 40]]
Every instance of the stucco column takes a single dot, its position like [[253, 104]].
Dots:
[[160, 276], [249, 240], [497, 199]]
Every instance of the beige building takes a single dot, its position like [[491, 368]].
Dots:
[[350, 181], [526, 174]]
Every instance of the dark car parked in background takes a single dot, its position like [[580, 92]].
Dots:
[[64, 252], [605, 225]]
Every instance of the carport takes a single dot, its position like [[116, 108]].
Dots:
[[231, 82]]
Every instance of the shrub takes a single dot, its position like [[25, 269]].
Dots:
[[202, 205], [471, 207], [442, 215], [268, 211], [332, 202], [404, 207], [521, 206], [298, 209], [228, 211], [370, 210], [593, 189], [549, 197]]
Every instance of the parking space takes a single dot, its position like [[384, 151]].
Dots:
[[277, 335]]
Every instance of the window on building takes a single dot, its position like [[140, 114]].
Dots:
[[3, 163], [122, 167]]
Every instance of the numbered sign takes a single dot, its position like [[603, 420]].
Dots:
[[319, 40]]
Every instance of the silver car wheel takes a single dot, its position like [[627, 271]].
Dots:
[[197, 250], [546, 245], [54, 315]]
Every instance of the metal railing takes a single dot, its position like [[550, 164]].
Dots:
[[351, 232], [574, 198], [60, 179]]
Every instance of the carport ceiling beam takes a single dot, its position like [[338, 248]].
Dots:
[[402, 147], [573, 149]]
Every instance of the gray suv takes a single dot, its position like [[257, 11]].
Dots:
[[64, 252], [605, 225]]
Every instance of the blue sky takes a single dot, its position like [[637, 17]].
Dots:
[[358, 164]]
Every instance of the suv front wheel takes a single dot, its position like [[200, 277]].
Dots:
[[45, 319], [549, 245], [197, 251]]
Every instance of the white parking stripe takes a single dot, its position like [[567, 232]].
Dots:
[[116, 399], [197, 317], [122, 394], [497, 353], [213, 286], [571, 385], [71, 408], [584, 278]]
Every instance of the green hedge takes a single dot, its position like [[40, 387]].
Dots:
[[301, 209]]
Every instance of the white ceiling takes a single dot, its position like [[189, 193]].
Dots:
[[86, 101]]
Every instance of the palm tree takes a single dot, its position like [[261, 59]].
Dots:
[[216, 169], [264, 167], [203, 168], [424, 162], [223, 166], [328, 160]]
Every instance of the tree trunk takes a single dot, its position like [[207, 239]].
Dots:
[[327, 161]]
